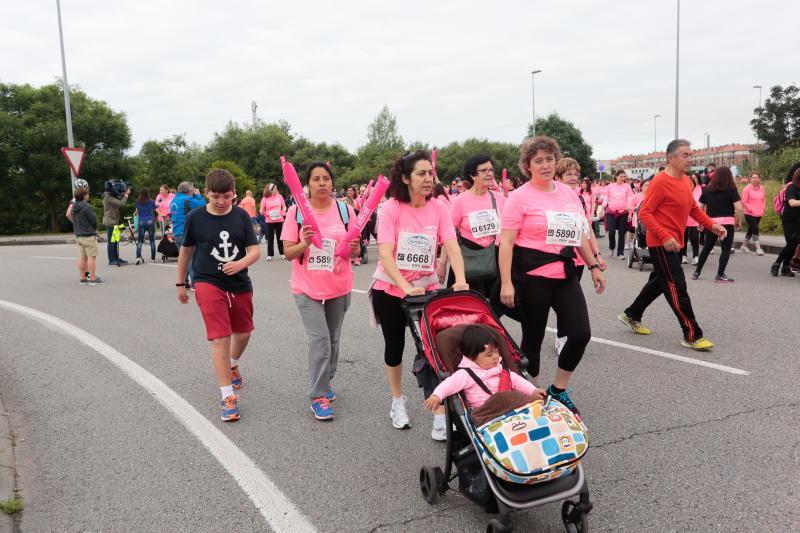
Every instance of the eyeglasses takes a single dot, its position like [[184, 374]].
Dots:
[[485, 171]]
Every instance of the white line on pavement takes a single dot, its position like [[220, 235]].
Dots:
[[279, 513], [162, 265], [681, 358], [52, 257], [359, 291]]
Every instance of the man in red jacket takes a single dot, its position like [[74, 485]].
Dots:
[[663, 212]]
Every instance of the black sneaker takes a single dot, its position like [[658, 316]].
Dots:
[[723, 279], [96, 281], [564, 398], [786, 271], [695, 275], [774, 269]]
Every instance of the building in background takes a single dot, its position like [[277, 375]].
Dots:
[[644, 165]]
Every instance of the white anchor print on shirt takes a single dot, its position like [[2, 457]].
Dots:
[[227, 255]]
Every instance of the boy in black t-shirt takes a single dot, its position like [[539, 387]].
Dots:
[[222, 243]]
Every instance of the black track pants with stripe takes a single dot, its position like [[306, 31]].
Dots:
[[667, 278]]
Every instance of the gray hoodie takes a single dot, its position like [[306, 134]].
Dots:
[[84, 219]]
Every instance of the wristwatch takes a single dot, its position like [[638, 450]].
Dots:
[[596, 265], [180, 284]]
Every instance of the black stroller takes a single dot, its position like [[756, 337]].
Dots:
[[437, 320], [639, 252]]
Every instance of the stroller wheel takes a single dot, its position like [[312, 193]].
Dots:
[[574, 517], [430, 483], [496, 526], [630, 258], [163, 258]]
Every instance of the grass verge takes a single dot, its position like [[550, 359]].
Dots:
[[13, 505]]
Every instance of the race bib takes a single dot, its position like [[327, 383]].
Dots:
[[416, 251], [275, 214], [564, 229], [321, 259], [484, 223]]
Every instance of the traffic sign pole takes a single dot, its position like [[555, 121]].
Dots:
[[70, 139]]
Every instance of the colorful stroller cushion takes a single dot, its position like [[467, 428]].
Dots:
[[534, 443]]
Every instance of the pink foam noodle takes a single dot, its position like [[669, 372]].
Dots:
[[433, 160], [356, 227], [505, 182], [300, 199], [368, 189]]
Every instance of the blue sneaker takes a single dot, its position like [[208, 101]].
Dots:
[[564, 398], [322, 409], [330, 395], [230, 408]]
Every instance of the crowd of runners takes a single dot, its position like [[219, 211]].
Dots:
[[524, 245]]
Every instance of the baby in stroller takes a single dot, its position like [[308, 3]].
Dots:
[[481, 373]]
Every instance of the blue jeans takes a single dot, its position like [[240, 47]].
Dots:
[[112, 247], [148, 226], [190, 273]]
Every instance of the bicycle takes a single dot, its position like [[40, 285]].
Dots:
[[124, 233]]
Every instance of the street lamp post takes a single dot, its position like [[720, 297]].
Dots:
[[533, 99], [70, 140], [759, 107], [708, 148], [677, 65], [655, 132]]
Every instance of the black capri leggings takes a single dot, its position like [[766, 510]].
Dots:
[[752, 227], [566, 298], [393, 325]]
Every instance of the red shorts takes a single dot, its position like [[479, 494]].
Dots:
[[224, 312]]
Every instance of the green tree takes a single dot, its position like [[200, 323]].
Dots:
[[777, 122], [451, 158], [169, 161], [32, 133], [243, 181], [569, 138], [384, 145]]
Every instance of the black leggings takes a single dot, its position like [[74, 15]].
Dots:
[[752, 227], [691, 235], [566, 298], [274, 230], [617, 226], [393, 325], [791, 232], [711, 240]]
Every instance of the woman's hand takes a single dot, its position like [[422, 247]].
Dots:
[[410, 290], [432, 403], [355, 247], [308, 233], [538, 394], [441, 271], [599, 280], [507, 295], [461, 286]]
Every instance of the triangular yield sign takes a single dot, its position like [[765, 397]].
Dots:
[[74, 157]]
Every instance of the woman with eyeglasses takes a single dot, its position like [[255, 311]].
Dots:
[[410, 225], [544, 226], [476, 216]]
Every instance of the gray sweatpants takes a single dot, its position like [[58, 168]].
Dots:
[[323, 322]]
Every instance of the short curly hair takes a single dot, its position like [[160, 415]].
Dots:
[[531, 146], [565, 165]]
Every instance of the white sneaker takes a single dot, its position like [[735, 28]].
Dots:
[[398, 413], [759, 251], [621, 257], [684, 261], [269, 258], [439, 431], [283, 256], [695, 259], [560, 342]]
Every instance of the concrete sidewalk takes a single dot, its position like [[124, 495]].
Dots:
[[8, 468]]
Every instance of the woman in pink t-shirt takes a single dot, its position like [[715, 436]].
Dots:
[[615, 204], [476, 216], [321, 282], [163, 200], [754, 200], [691, 235], [273, 209], [544, 224], [410, 226]]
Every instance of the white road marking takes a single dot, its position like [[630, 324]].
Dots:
[[681, 358], [359, 291], [53, 257], [279, 513], [168, 265]]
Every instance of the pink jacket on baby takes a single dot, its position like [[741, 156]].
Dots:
[[476, 396]]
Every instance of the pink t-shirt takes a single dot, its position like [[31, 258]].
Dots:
[[395, 217], [526, 211], [273, 208], [690, 222], [480, 207], [248, 203], [754, 201], [162, 203], [588, 199], [617, 197], [320, 284]]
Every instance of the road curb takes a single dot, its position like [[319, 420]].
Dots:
[[8, 467]]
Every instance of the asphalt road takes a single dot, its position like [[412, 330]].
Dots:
[[675, 446]]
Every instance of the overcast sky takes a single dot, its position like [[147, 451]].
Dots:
[[447, 70]]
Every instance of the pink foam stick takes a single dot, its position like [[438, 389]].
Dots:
[[301, 201], [368, 189], [433, 160], [357, 226], [505, 182]]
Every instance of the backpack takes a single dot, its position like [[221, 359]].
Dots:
[[344, 215], [780, 200]]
